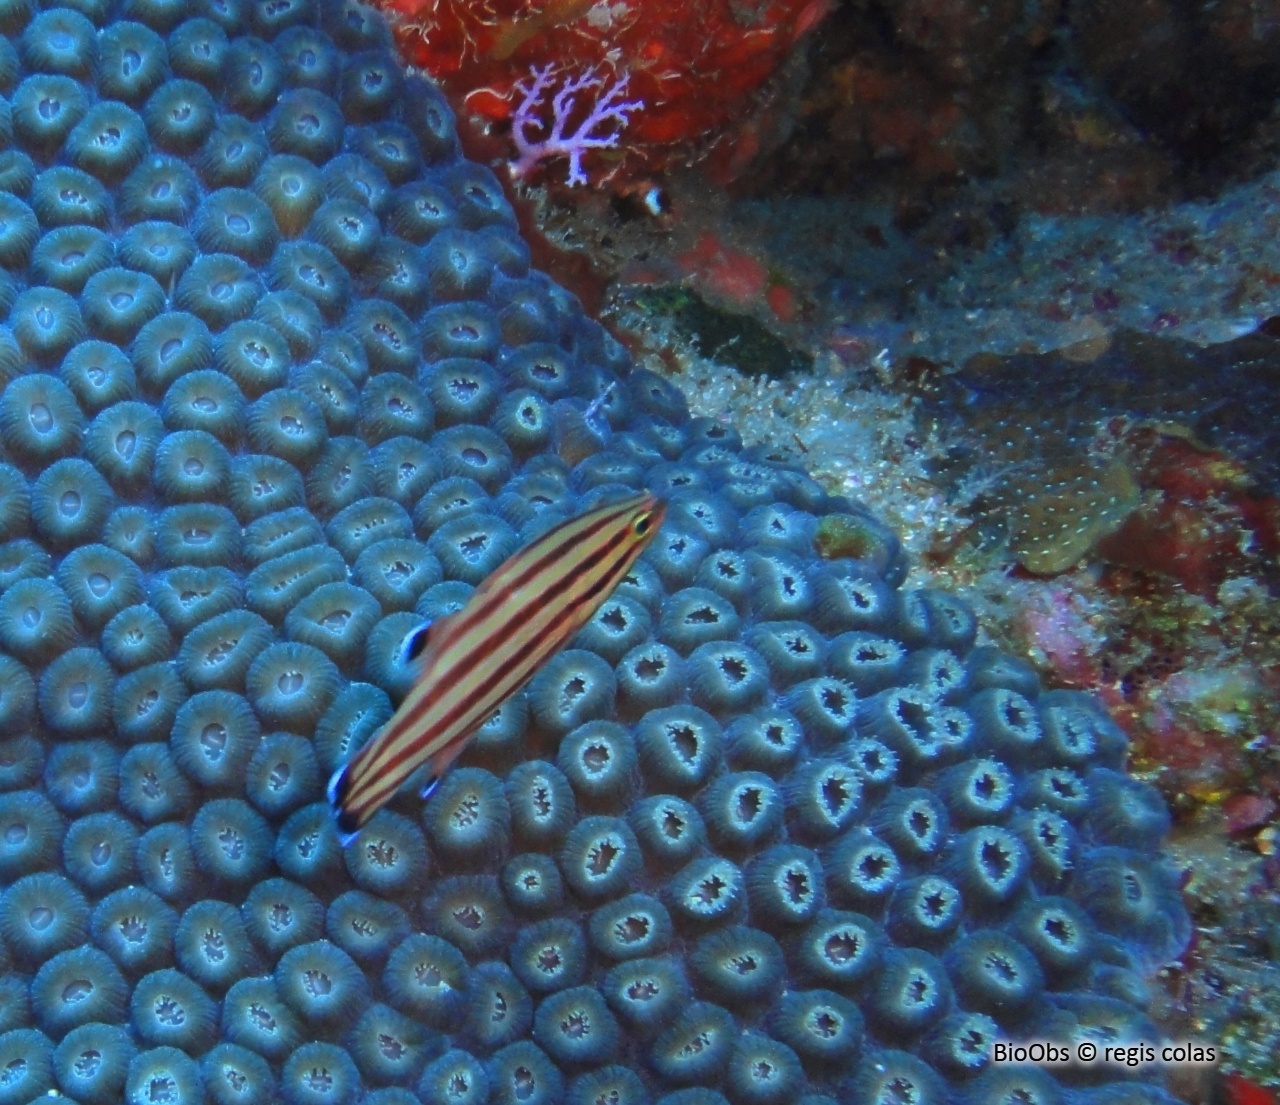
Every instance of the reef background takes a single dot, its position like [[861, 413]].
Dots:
[[279, 381], [1008, 273]]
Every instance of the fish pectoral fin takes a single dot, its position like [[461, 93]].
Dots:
[[436, 767]]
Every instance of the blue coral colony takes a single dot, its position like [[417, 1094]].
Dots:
[[473, 661], [278, 386]]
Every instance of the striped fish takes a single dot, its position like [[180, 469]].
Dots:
[[470, 662]]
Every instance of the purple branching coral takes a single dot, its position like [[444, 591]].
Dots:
[[598, 130]]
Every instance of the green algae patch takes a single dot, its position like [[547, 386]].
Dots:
[[739, 341], [851, 537]]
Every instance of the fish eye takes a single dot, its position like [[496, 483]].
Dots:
[[641, 524]]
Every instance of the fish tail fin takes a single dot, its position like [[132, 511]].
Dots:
[[337, 790]]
